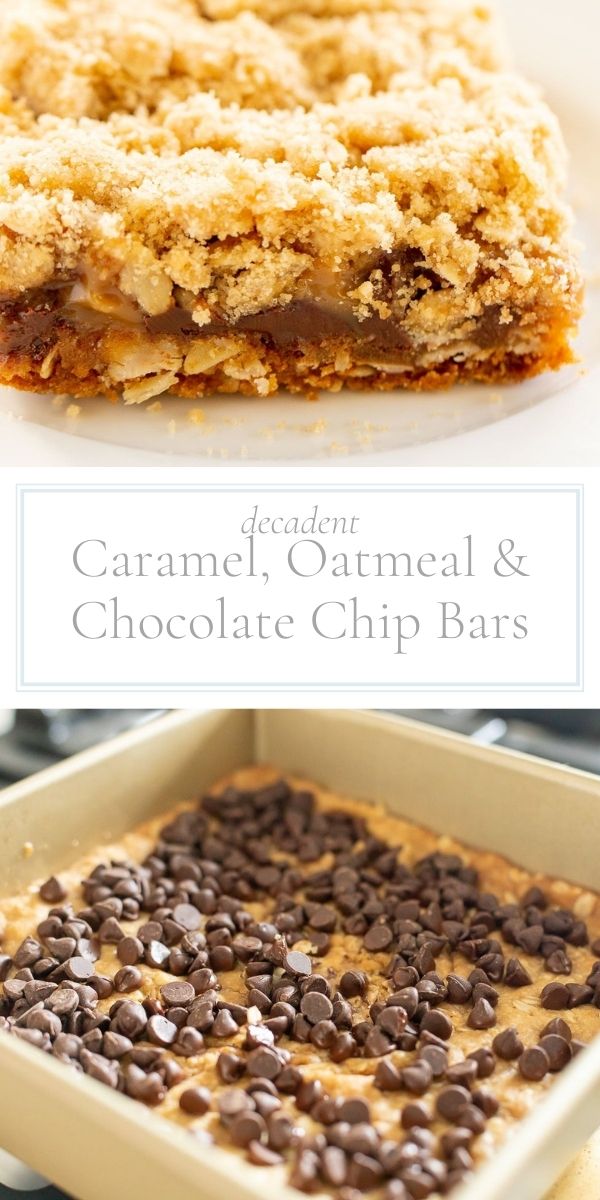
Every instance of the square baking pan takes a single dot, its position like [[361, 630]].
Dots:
[[92, 1141]]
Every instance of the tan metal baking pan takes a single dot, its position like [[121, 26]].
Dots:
[[93, 1142]]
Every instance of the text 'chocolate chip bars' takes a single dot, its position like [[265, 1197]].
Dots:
[[311, 983], [241, 195]]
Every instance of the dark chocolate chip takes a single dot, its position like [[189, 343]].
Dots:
[[263, 1156], [297, 963], [378, 937], [558, 1050], [263, 1062], [450, 1102], [417, 1078], [52, 891], [534, 1064], [555, 996], [507, 1044], [438, 1023], [515, 974], [559, 1027], [160, 1031], [128, 979], [482, 1015], [195, 1101], [459, 989]]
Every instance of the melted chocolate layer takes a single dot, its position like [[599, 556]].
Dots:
[[300, 321], [27, 325]]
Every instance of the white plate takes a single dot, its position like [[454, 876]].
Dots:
[[555, 45]]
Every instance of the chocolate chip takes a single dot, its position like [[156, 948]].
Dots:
[[392, 1020], [507, 1044], [486, 1102], [417, 1078], [222, 958], [289, 1080], [160, 1031], [376, 1043], [131, 1019], [233, 1102], [555, 996], [297, 963], [450, 1102], [530, 938], [378, 937], [263, 1156], [354, 1111], [482, 1015], [316, 1007], [471, 1117], [110, 931], [559, 1027], [464, 1073], [558, 1050], [247, 1127], [364, 1172], [189, 1042], [264, 1063], [180, 994], [534, 1064], [130, 950], [156, 954], [438, 1023], [187, 916], [437, 1059], [52, 891], [305, 1171], [230, 1067], [195, 1101], [353, 983], [334, 1166], [485, 991], [415, 1115], [387, 1076], [406, 998], [515, 974], [115, 1045], [224, 1025], [459, 989], [485, 1061], [150, 1088], [203, 980], [128, 979], [99, 1068], [579, 993], [559, 963]]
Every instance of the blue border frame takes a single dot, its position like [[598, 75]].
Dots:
[[576, 490]]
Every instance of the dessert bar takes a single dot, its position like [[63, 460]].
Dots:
[[248, 195], [305, 980]]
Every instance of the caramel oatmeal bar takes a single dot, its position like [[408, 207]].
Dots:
[[311, 982], [241, 195]]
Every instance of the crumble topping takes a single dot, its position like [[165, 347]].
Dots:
[[227, 149]]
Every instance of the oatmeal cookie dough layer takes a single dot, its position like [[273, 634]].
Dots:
[[290, 859], [245, 196]]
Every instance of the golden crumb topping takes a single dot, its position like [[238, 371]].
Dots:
[[231, 153]]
